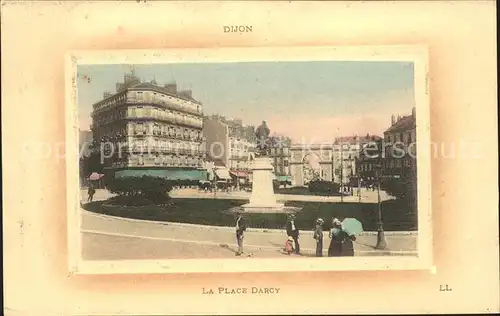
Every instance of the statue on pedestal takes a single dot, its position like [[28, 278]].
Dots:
[[262, 134]]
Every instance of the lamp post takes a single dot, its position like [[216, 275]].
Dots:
[[359, 188], [214, 182], [381, 243]]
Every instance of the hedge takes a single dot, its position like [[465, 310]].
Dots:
[[142, 189]]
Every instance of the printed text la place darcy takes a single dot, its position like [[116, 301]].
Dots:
[[241, 290]]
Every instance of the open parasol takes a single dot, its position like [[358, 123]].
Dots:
[[352, 226], [95, 176]]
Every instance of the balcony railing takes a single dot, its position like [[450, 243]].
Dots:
[[162, 149], [167, 105], [165, 118], [156, 164]]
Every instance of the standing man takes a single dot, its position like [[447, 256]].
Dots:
[[293, 231], [240, 229], [318, 235]]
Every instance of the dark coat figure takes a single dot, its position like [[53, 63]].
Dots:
[[293, 231], [318, 235], [348, 246], [241, 227], [341, 243], [91, 193], [337, 237]]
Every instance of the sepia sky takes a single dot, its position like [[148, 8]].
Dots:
[[308, 101]]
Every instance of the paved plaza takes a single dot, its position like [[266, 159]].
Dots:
[[111, 238]]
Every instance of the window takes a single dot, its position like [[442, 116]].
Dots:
[[156, 129]]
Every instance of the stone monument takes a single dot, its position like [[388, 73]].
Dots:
[[263, 199]]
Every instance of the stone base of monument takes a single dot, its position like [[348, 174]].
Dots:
[[263, 199]]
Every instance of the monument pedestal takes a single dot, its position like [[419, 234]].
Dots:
[[262, 199]]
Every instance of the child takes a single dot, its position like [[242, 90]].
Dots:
[[289, 245], [318, 235]]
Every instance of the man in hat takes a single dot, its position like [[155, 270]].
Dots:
[[240, 229], [318, 235], [293, 231]]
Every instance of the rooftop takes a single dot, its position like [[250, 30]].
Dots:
[[403, 124], [356, 139], [186, 95], [181, 94]]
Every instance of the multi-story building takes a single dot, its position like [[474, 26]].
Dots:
[[345, 151], [241, 152], [369, 161], [216, 135], [281, 155], [145, 128], [400, 146], [227, 146]]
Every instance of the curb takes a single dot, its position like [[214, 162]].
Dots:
[[357, 253], [256, 230]]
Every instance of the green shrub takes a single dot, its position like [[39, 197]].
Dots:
[[402, 188], [276, 185], [323, 187], [154, 189]]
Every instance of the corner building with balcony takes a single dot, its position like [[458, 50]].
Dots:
[[147, 129]]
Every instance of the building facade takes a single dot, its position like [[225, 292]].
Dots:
[[369, 162], [145, 128], [328, 161], [281, 155], [227, 147], [241, 153], [216, 135], [346, 151], [400, 146]]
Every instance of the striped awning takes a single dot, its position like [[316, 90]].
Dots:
[[284, 178], [239, 174], [223, 174]]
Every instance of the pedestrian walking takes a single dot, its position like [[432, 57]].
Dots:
[[318, 235], [91, 193], [240, 230], [293, 231]]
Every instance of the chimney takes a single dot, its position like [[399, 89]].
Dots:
[[171, 88], [186, 93], [393, 120], [399, 117], [413, 112]]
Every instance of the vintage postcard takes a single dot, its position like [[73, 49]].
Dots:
[[241, 157], [249, 159]]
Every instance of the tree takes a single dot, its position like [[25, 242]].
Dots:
[[91, 163], [153, 189], [404, 188]]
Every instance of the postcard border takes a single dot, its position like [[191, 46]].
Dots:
[[415, 53]]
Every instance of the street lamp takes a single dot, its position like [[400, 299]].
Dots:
[[381, 243]]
